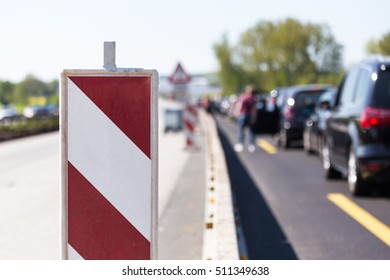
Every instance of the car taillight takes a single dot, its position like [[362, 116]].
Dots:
[[374, 117], [289, 114], [371, 167]]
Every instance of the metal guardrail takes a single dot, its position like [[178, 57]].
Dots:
[[12, 120], [20, 126]]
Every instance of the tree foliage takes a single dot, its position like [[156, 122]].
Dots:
[[28, 91], [6, 92], [381, 46], [273, 54], [230, 74]]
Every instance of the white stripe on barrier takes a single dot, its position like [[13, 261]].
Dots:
[[190, 117], [190, 121], [96, 146], [190, 135], [73, 254]]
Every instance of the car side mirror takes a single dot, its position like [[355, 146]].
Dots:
[[325, 105]]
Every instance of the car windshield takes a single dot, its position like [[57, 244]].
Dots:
[[307, 98], [382, 90], [329, 96]]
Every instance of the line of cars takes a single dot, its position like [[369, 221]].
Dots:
[[292, 107], [51, 110], [349, 127], [8, 113]]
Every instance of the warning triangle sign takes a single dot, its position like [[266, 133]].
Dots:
[[179, 76]]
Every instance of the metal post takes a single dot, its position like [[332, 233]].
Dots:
[[109, 56]]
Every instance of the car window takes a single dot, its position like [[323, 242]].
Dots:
[[307, 98], [362, 88], [281, 98], [329, 96], [347, 91], [382, 90]]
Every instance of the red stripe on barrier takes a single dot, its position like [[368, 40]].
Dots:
[[188, 125], [125, 100], [189, 142], [192, 110], [96, 229]]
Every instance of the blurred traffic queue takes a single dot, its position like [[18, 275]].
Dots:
[[51, 110], [9, 114], [348, 127]]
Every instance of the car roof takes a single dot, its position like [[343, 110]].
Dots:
[[376, 61], [310, 87], [330, 93]]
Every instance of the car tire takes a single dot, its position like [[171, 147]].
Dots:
[[329, 171], [284, 141], [307, 144], [320, 147], [356, 184]]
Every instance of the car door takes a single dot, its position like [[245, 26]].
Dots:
[[339, 120], [320, 115], [266, 117]]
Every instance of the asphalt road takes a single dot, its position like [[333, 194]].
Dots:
[[289, 211], [284, 203], [30, 198]]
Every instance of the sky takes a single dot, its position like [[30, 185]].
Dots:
[[43, 37]]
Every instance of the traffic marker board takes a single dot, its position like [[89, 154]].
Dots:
[[179, 76], [109, 164]]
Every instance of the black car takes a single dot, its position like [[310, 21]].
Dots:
[[279, 97], [37, 112], [358, 128], [266, 114], [315, 125], [298, 105], [268, 111]]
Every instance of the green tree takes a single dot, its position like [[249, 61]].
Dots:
[[290, 52], [53, 89], [381, 46], [372, 47], [230, 74], [6, 90], [29, 89], [284, 53]]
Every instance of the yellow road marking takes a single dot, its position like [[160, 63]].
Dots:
[[266, 146], [367, 220]]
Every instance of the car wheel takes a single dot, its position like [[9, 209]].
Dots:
[[320, 147], [329, 171], [355, 183], [306, 143], [284, 141]]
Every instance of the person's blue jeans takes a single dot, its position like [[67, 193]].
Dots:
[[244, 121]]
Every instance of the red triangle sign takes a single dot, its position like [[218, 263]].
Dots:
[[179, 76]]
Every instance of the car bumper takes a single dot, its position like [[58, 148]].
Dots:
[[375, 170], [294, 133]]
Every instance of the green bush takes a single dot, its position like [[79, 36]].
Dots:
[[27, 127]]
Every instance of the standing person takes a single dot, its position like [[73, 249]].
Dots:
[[245, 111]]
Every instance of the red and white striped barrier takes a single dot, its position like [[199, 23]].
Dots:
[[109, 179], [190, 119]]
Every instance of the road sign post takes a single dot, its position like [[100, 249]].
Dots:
[[109, 164], [180, 79]]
